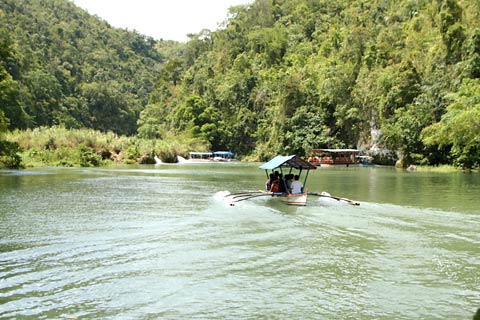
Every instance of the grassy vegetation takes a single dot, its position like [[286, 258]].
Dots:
[[442, 168], [58, 146]]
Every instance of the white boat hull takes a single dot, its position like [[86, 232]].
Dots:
[[294, 199]]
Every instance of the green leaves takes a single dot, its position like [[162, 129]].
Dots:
[[109, 108], [278, 77], [286, 76], [57, 57], [9, 155], [459, 126]]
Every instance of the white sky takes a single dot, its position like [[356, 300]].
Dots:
[[162, 19]]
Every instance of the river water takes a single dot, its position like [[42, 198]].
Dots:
[[160, 243]]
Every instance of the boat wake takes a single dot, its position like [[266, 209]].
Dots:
[[223, 197], [235, 199], [327, 196], [229, 199], [220, 195]]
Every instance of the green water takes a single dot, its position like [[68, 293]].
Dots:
[[160, 243]]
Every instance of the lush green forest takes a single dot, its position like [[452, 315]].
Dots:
[[286, 76], [62, 66], [400, 79]]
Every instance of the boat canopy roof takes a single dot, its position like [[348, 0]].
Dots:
[[335, 150], [291, 161], [200, 153], [223, 153]]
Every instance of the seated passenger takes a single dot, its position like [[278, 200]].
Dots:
[[297, 186], [288, 181], [268, 183], [282, 186], [275, 186]]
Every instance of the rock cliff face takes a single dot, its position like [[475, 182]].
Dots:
[[374, 147]]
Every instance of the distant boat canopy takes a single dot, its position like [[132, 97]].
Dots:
[[223, 154], [211, 156], [200, 155], [333, 156]]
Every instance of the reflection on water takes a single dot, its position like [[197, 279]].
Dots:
[[159, 242]]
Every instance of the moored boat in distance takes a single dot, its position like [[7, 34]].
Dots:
[[223, 156], [328, 157], [206, 157]]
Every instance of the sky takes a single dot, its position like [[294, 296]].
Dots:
[[162, 19]]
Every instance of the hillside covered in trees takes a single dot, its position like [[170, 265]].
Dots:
[[280, 76], [285, 76], [63, 66]]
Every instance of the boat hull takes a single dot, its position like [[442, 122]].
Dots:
[[294, 199]]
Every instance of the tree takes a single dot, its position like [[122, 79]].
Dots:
[[10, 107], [109, 107], [9, 154], [459, 126], [453, 33], [51, 49]]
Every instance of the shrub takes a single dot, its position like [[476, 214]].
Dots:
[[88, 157], [58, 146], [132, 154], [168, 156], [9, 154]]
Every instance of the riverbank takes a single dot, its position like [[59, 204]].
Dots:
[[443, 168], [58, 146], [61, 147]]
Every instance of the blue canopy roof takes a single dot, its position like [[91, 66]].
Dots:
[[223, 153], [287, 161]]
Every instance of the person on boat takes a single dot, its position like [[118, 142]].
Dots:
[[276, 175], [268, 183], [275, 187], [297, 186], [288, 182], [282, 185]]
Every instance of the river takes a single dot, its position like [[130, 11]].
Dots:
[[158, 242]]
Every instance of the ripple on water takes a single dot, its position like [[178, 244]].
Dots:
[[149, 244]]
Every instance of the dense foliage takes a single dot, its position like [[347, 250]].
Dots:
[[280, 76], [62, 66], [283, 76], [58, 146]]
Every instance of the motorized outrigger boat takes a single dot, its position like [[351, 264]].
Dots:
[[287, 165], [284, 164]]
